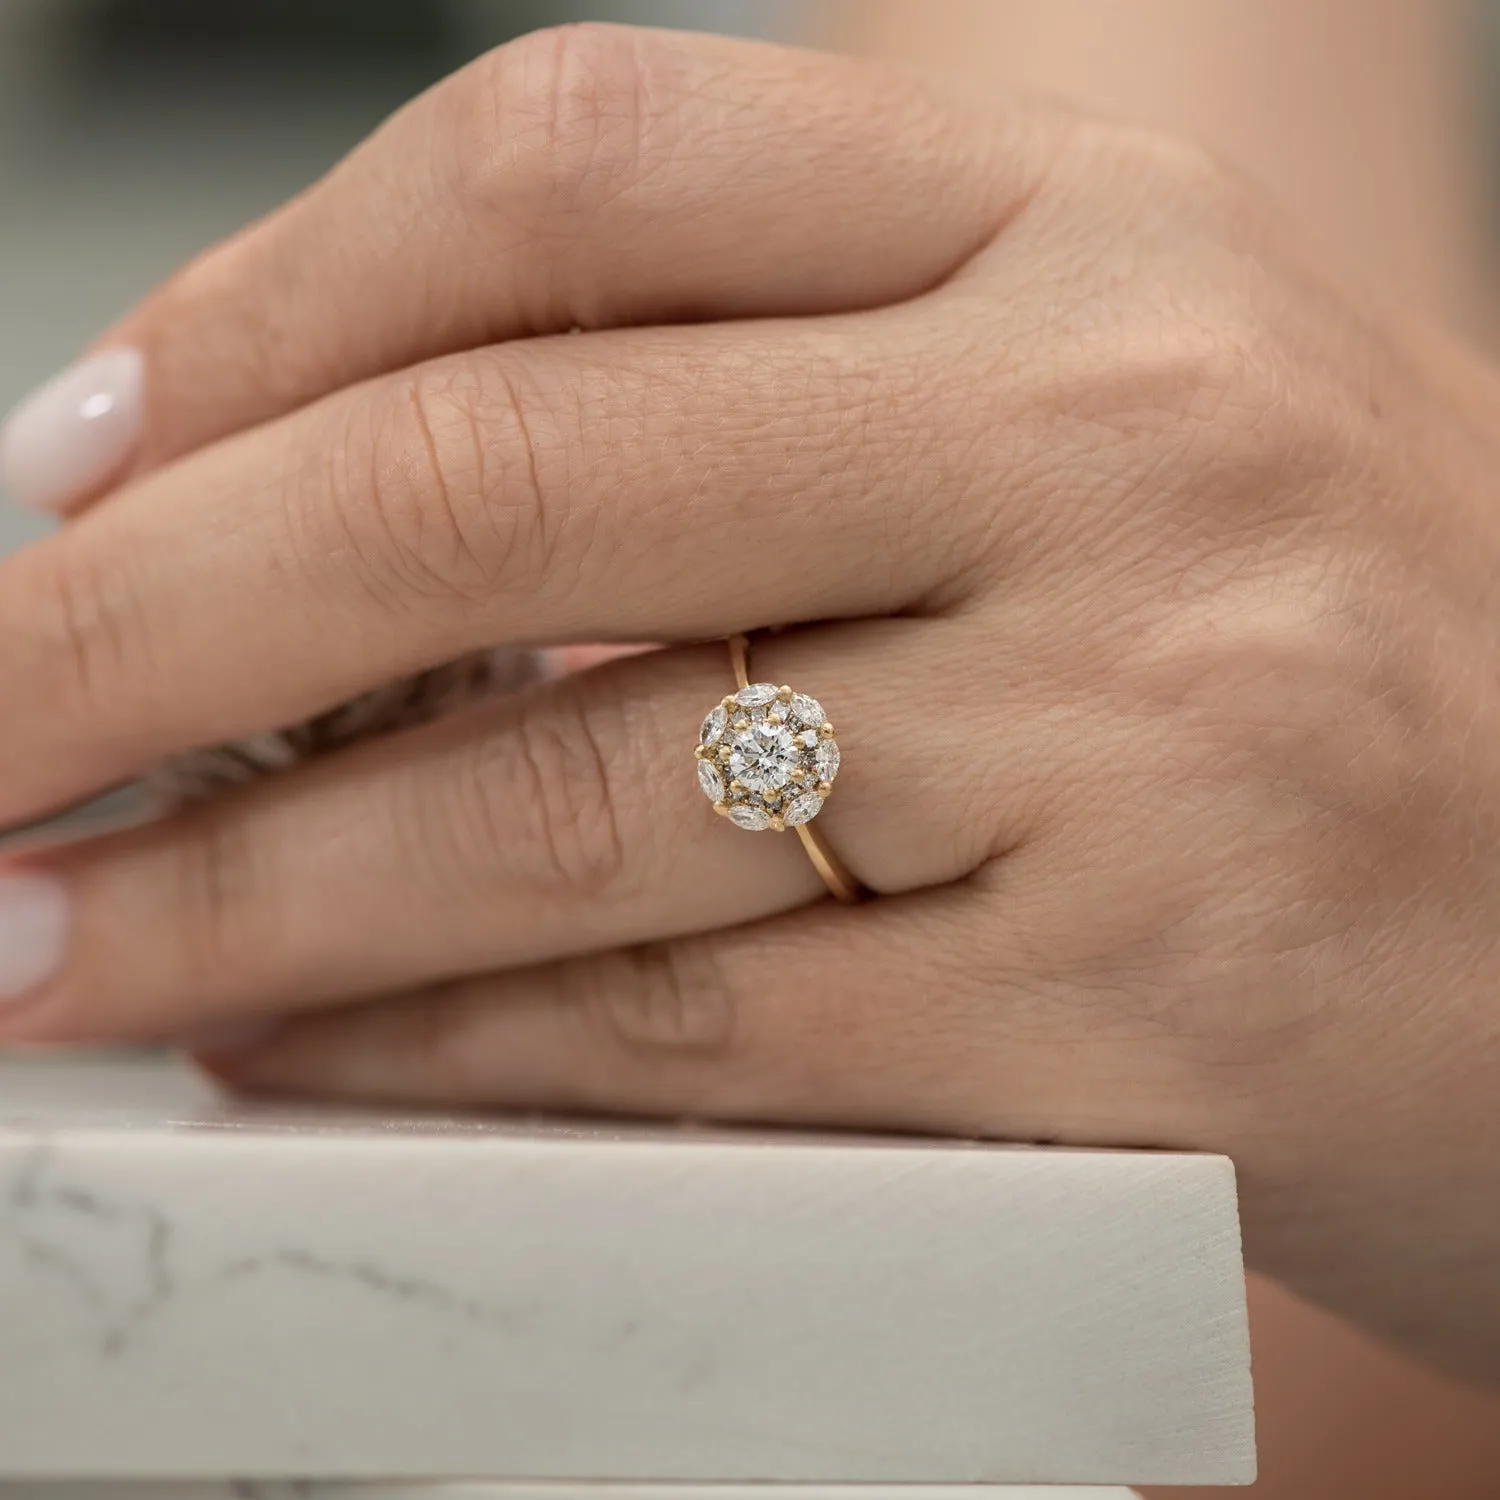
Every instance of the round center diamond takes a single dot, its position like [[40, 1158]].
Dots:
[[763, 756], [766, 758]]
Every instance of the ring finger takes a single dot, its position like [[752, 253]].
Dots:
[[561, 821]]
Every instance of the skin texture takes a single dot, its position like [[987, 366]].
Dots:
[[1040, 430], [1357, 117], [1337, 1414]]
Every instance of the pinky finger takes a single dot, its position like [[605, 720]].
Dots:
[[826, 1016]]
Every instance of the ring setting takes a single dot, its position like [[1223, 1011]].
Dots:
[[767, 758]]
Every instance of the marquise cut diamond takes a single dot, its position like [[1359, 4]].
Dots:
[[804, 809], [710, 780], [807, 711], [713, 726]]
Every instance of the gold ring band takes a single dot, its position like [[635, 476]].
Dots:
[[767, 759]]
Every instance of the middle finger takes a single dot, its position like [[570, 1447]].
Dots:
[[655, 484]]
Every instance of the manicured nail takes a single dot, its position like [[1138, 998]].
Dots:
[[74, 433], [34, 922]]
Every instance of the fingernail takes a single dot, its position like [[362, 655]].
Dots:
[[34, 920], [74, 433]]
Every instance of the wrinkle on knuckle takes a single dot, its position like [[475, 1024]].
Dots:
[[212, 888], [527, 500], [665, 1000], [1184, 350], [1243, 439], [1180, 365], [559, 122], [567, 799], [1173, 427], [85, 638], [435, 495]]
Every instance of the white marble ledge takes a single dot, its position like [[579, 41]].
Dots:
[[192, 1287], [305, 1490]]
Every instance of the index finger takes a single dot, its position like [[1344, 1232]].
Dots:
[[653, 484]]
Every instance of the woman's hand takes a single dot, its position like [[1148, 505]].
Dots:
[[1152, 587]]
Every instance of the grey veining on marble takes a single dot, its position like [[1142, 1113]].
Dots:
[[191, 1288]]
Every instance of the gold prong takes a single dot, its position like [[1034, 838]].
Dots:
[[778, 823], [730, 702], [785, 694], [736, 785], [722, 808], [725, 754], [826, 732], [774, 719], [824, 787], [742, 723], [798, 774], [699, 751]]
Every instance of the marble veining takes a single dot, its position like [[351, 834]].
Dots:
[[117, 1255], [192, 1288]]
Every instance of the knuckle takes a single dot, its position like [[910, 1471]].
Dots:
[[1181, 325], [557, 122], [1243, 426], [212, 885], [671, 999], [526, 494], [1211, 366], [83, 635], [568, 761], [1192, 403], [1172, 168], [437, 498], [1151, 382], [1190, 167], [534, 804]]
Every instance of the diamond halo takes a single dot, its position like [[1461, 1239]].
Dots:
[[767, 758]]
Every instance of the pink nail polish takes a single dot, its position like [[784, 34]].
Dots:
[[74, 433]]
